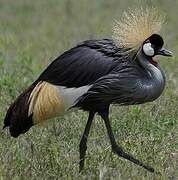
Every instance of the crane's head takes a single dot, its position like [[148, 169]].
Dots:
[[154, 46], [138, 29]]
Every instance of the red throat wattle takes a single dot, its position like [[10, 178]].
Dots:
[[154, 62]]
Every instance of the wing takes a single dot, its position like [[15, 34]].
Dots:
[[114, 88], [82, 65]]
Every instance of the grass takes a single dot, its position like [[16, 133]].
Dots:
[[32, 34]]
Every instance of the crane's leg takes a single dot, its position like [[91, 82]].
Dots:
[[117, 149], [83, 142]]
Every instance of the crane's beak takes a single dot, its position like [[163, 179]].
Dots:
[[164, 52]]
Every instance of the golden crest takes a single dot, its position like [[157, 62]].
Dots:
[[135, 26]]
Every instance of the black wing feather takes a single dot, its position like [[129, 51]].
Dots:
[[82, 65]]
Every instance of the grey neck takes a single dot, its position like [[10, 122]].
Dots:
[[154, 84]]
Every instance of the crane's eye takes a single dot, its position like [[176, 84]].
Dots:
[[148, 50]]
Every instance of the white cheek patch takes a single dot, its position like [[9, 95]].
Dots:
[[148, 50]]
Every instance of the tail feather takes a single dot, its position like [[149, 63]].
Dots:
[[17, 118]]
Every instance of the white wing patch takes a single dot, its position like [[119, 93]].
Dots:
[[70, 95]]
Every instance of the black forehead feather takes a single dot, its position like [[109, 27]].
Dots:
[[156, 40]]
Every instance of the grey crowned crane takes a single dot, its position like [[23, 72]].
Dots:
[[95, 74]]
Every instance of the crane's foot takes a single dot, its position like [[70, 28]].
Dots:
[[119, 151]]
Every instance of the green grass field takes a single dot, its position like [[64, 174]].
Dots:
[[32, 34]]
